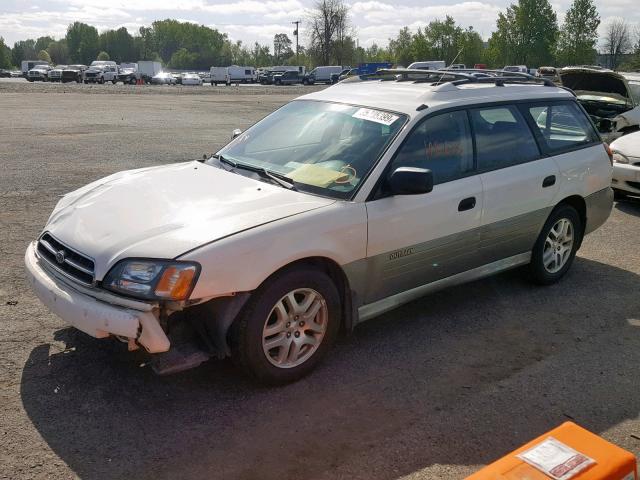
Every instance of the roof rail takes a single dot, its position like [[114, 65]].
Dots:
[[456, 77]]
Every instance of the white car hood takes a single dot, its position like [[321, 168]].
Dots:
[[628, 145], [163, 212]]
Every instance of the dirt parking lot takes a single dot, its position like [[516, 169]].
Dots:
[[434, 389]]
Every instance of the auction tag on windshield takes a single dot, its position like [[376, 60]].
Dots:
[[556, 459], [385, 118]]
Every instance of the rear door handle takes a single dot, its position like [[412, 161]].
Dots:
[[467, 204], [549, 181]]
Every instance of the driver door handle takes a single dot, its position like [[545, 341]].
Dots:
[[467, 204]]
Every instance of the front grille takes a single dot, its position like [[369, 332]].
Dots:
[[66, 260], [90, 74]]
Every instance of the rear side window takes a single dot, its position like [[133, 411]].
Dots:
[[503, 138], [562, 126], [442, 144]]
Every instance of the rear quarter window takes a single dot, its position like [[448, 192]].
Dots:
[[561, 126]]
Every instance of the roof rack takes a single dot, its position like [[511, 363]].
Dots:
[[457, 76]]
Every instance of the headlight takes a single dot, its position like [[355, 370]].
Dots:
[[153, 279], [619, 158]]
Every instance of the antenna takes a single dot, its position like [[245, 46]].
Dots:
[[452, 62]]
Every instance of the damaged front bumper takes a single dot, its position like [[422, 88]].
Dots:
[[96, 313]]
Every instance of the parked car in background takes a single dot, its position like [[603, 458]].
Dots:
[[267, 77], [128, 75], [287, 78], [516, 68], [101, 71], [55, 74], [349, 72], [480, 66], [457, 66], [5, 73], [626, 165], [73, 73], [16, 74], [164, 78], [326, 213], [191, 79], [550, 73], [27, 65], [608, 97], [321, 75], [428, 65], [39, 73]]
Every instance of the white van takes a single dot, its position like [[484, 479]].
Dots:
[[241, 74], [324, 214], [429, 65], [322, 74], [218, 75]]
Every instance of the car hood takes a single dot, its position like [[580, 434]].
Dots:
[[628, 145], [163, 212], [593, 83]]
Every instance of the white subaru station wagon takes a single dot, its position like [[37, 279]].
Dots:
[[337, 207]]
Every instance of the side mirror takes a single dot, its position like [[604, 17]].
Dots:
[[236, 133], [410, 181]]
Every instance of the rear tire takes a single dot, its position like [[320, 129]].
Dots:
[[287, 327], [556, 246]]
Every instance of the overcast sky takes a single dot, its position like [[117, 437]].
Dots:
[[255, 20]]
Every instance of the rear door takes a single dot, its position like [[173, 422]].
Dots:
[[519, 181], [417, 239]]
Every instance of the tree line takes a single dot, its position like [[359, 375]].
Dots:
[[527, 32]]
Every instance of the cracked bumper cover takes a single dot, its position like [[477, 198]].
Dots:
[[94, 316]]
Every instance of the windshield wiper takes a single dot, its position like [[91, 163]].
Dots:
[[283, 180], [279, 178]]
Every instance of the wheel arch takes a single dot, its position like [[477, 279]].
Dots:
[[577, 202], [214, 318]]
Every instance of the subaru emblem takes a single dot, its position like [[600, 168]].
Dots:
[[60, 256]]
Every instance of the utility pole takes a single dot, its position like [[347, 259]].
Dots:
[[296, 32]]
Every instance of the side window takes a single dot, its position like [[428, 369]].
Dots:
[[503, 138], [562, 125], [442, 144]]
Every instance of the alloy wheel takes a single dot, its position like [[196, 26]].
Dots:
[[558, 246]]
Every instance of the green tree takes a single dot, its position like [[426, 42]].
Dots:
[[472, 47], [5, 55], [82, 41], [281, 47], [119, 44], [401, 48], [103, 56], [59, 52], [183, 59], [44, 56], [525, 34], [579, 34], [443, 38], [23, 50], [42, 43]]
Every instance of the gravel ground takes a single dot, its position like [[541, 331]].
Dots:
[[434, 389]]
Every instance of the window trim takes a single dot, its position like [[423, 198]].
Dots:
[[542, 143], [377, 193], [516, 106]]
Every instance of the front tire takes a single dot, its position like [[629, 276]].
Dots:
[[287, 327], [556, 247]]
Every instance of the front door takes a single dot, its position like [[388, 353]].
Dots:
[[417, 239]]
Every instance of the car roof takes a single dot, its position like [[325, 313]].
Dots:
[[406, 97]]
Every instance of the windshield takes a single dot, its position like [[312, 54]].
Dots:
[[325, 148]]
